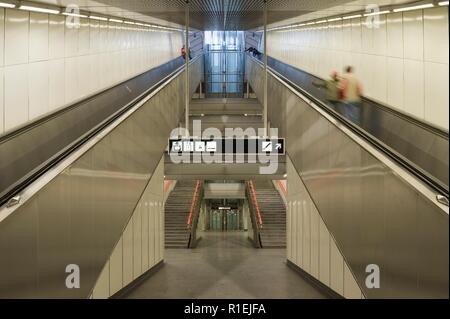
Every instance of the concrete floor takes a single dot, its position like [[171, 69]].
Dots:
[[225, 266]]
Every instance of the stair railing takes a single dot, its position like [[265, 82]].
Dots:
[[194, 214], [255, 213]]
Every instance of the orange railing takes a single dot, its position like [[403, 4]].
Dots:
[[255, 202], [167, 185], [194, 201], [282, 187]]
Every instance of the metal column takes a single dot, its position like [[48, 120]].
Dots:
[[187, 88]]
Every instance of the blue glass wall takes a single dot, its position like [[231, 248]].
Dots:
[[224, 63]]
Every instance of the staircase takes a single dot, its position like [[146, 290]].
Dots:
[[177, 210], [273, 213]]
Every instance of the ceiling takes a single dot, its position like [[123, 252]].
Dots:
[[205, 14], [222, 14]]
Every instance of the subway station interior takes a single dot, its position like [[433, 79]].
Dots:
[[224, 149]]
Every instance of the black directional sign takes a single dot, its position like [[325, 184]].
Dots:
[[275, 146]]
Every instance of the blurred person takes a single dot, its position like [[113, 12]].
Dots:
[[350, 87], [183, 53], [332, 87], [351, 91], [253, 51]]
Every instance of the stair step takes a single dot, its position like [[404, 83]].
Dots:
[[273, 214]]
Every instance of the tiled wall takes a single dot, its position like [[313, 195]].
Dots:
[[45, 64], [141, 245], [311, 246], [403, 63]]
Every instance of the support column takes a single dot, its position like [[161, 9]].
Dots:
[[187, 86], [265, 116]]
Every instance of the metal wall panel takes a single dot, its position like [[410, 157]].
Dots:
[[79, 216], [375, 216]]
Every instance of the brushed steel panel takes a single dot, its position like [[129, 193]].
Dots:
[[433, 245], [374, 215], [53, 242], [18, 262], [79, 216]]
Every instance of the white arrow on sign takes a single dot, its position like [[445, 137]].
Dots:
[[279, 146]]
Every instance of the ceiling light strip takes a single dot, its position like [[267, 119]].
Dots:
[[39, 9], [377, 13], [423, 6], [71, 14], [7, 5], [98, 18]]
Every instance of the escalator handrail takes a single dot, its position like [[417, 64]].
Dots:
[[193, 204], [255, 202], [413, 168]]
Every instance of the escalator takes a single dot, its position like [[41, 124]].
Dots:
[[360, 197], [72, 183], [418, 146]]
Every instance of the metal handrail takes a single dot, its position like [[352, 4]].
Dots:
[[254, 216], [193, 204], [255, 202], [194, 214]]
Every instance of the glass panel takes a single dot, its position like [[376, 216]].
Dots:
[[224, 63]]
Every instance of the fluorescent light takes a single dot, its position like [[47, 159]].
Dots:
[[443, 3], [321, 21], [38, 9], [376, 13], [422, 6], [352, 17], [128, 22], [7, 5], [71, 14], [334, 19], [116, 20], [98, 18]]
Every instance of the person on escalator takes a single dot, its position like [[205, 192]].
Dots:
[[183, 53], [332, 87], [254, 52], [350, 87], [351, 92]]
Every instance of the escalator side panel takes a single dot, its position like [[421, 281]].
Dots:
[[375, 216], [78, 217]]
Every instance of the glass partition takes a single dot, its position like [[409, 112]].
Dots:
[[224, 64]]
